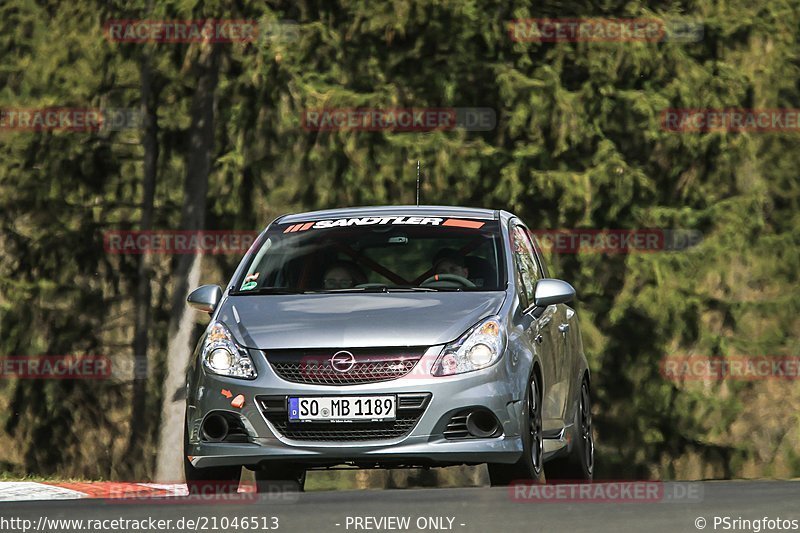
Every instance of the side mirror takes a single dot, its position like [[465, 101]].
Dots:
[[205, 298], [552, 291]]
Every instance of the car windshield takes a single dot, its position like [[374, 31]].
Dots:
[[376, 254]]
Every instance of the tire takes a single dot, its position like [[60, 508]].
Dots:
[[213, 480], [579, 464], [529, 468], [277, 477]]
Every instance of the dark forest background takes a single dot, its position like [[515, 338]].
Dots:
[[578, 144]]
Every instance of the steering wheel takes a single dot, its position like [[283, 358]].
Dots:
[[448, 279]]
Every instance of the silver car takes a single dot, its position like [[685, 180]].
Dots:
[[389, 337]]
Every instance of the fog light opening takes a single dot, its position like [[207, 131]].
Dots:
[[481, 424], [215, 428]]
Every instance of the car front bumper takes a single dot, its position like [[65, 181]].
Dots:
[[492, 388]]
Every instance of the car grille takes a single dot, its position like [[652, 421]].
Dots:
[[371, 365], [409, 410]]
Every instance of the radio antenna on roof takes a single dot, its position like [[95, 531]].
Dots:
[[417, 182]]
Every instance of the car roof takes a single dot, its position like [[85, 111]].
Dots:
[[392, 210]]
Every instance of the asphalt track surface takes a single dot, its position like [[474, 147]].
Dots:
[[672, 508]]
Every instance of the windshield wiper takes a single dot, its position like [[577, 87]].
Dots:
[[385, 288], [372, 289], [267, 290], [382, 288], [437, 289]]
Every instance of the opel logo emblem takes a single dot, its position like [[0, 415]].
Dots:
[[343, 361]]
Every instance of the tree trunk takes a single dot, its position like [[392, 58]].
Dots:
[[187, 271], [140, 426]]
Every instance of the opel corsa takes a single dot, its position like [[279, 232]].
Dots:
[[382, 337]]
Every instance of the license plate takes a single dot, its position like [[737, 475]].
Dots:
[[342, 408]]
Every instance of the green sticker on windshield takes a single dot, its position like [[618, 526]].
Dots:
[[249, 285]]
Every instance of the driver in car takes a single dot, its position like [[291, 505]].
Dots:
[[342, 275], [448, 261]]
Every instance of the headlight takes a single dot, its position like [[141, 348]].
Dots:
[[222, 356], [479, 347]]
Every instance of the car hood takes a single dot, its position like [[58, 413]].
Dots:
[[355, 320]]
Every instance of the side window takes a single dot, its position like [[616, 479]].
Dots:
[[528, 272], [539, 255]]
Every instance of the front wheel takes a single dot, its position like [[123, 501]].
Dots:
[[213, 480], [579, 464], [529, 467]]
